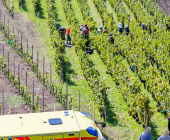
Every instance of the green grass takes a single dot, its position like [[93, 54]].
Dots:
[[120, 124], [77, 12], [157, 126], [111, 10], [117, 117], [13, 100], [77, 82], [94, 13]]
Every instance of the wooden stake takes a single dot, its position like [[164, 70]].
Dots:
[[32, 54], [59, 85], [93, 111], [79, 100], [9, 109], [13, 29], [43, 68], [63, 68], [8, 29], [67, 94], [4, 21], [13, 9], [37, 63], [3, 53], [27, 45], [21, 47], [26, 78], [19, 77], [33, 92], [105, 115], [50, 75], [8, 59], [3, 103], [14, 67], [0, 15], [43, 100]]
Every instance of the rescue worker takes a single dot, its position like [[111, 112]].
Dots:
[[165, 136], [68, 36], [100, 30], [146, 135], [127, 30], [120, 28], [167, 27], [111, 39], [62, 32]]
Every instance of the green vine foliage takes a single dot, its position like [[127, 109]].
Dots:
[[23, 89], [36, 5], [90, 73], [58, 44], [10, 9], [114, 62], [60, 58]]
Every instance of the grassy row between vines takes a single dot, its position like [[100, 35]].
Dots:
[[123, 123]]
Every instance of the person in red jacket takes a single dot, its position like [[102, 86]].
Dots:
[[68, 36], [87, 31]]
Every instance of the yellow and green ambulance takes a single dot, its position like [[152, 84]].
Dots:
[[58, 125]]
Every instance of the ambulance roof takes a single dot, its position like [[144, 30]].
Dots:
[[38, 123], [84, 121]]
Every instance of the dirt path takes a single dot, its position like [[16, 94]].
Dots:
[[38, 86], [27, 28], [165, 6]]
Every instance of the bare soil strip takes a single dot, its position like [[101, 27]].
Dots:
[[24, 67], [11, 97], [27, 28], [165, 6]]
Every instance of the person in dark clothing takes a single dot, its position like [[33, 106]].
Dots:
[[146, 135], [120, 28], [143, 26], [150, 30], [100, 30], [87, 31], [167, 27], [62, 32], [165, 136], [111, 39], [127, 30], [169, 124]]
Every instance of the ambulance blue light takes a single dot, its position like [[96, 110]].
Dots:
[[86, 114], [55, 121], [92, 131]]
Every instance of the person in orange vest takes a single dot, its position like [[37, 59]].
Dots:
[[68, 36]]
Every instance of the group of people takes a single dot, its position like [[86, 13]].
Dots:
[[122, 29], [84, 30], [147, 135], [62, 31]]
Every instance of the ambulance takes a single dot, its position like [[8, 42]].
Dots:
[[58, 125]]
